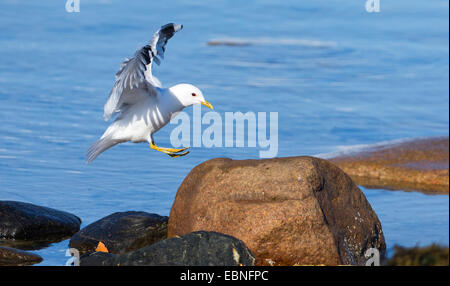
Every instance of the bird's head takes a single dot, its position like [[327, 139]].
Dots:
[[189, 95]]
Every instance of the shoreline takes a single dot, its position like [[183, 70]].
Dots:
[[420, 164]]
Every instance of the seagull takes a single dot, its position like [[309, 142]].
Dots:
[[142, 105]]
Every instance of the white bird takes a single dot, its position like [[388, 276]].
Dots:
[[143, 106]]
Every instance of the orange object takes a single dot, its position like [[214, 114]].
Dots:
[[101, 247]]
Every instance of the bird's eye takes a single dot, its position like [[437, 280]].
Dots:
[[193, 94]]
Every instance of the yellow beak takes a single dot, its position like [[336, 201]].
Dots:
[[207, 104]]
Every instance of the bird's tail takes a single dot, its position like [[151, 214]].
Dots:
[[99, 147]]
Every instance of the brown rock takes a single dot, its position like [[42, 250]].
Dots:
[[420, 165], [288, 211]]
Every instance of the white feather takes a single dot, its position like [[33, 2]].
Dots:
[[135, 77]]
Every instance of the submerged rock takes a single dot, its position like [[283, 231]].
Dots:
[[420, 165], [14, 257], [121, 232], [26, 221], [195, 249], [228, 43], [288, 211]]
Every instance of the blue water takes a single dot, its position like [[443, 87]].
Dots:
[[409, 218], [336, 75]]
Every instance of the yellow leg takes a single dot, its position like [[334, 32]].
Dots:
[[172, 152]]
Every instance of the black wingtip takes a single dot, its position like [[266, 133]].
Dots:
[[171, 28]]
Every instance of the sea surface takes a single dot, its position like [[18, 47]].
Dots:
[[337, 76]]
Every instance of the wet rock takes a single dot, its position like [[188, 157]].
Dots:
[[288, 211], [29, 244], [195, 249], [14, 257], [121, 232], [418, 165], [26, 221]]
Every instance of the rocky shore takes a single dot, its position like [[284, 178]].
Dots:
[[417, 165], [283, 211]]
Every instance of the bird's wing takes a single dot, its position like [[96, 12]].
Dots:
[[135, 80]]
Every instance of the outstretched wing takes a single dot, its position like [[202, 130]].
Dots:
[[135, 80]]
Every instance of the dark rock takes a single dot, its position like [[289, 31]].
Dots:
[[26, 221], [98, 259], [14, 257], [288, 211], [195, 249], [121, 232]]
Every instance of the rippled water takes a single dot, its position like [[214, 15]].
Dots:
[[336, 75]]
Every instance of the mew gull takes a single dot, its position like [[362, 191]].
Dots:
[[142, 104]]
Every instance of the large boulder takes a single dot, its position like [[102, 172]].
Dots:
[[15, 257], [194, 249], [121, 232], [26, 221], [288, 211]]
